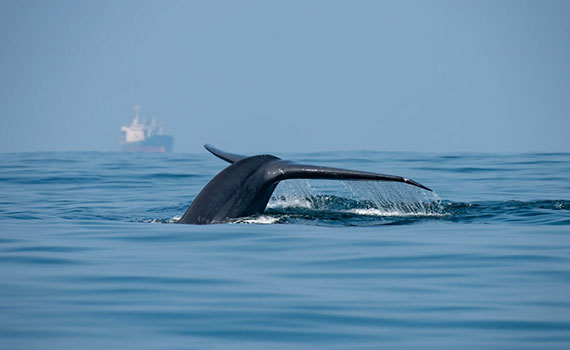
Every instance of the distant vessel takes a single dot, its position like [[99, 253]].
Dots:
[[144, 136]]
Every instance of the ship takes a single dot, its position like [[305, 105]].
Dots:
[[145, 136]]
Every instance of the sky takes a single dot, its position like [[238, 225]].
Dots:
[[288, 76]]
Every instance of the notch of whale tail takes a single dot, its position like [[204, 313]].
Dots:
[[244, 187]]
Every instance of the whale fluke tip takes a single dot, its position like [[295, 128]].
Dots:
[[228, 157], [417, 184]]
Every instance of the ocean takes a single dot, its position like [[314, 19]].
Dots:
[[91, 256]]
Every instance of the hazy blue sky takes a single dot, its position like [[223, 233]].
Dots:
[[288, 75]]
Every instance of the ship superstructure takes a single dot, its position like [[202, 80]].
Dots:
[[145, 136]]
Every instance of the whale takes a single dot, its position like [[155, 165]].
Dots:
[[244, 187]]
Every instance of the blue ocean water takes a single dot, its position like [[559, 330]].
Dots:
[[90, 256]]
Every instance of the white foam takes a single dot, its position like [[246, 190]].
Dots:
[[380, 212], [175, 219], [262, 220]]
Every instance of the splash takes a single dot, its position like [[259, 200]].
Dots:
[[357, 197], [395, 199], [294, 193], [388, 213], [172, 220], [175, 219]]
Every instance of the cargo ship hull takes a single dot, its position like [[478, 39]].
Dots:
[[153, 144], [145, 136]]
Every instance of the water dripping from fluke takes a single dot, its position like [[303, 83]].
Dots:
[[394, 199], [361, 198]]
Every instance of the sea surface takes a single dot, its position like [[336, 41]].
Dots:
[[91, 256]]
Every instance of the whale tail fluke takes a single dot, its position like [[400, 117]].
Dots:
[[245, 187], [290, 170]]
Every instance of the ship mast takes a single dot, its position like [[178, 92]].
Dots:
[[137, 109]]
